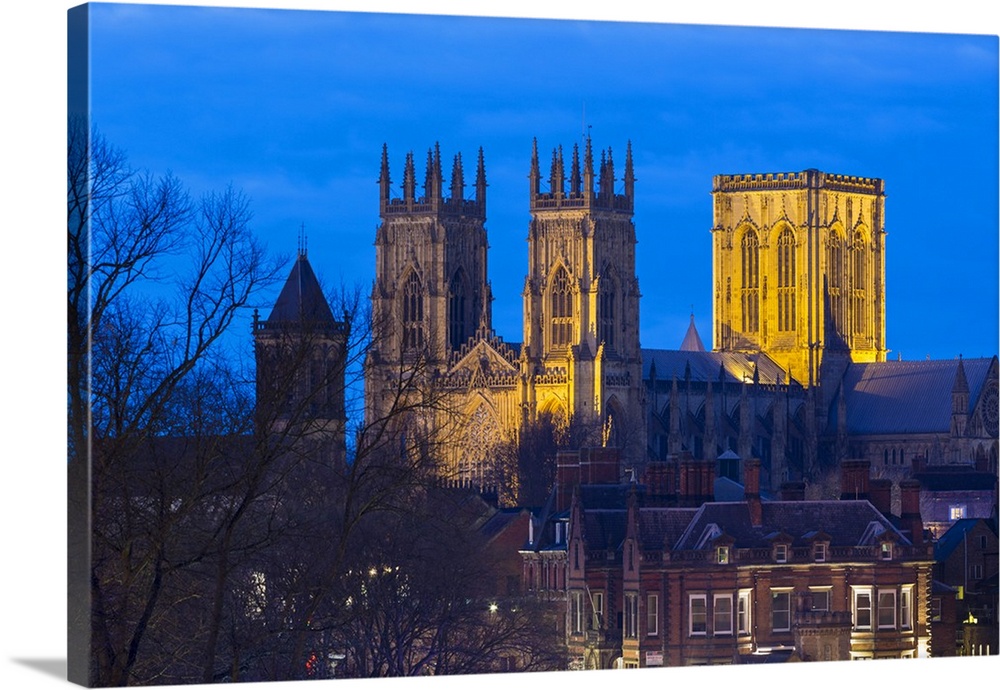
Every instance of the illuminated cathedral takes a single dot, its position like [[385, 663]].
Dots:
[[797, 376]]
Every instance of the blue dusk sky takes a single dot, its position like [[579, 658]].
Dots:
[[294, 107]]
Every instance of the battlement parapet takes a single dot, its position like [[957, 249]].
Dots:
[[807, 179]]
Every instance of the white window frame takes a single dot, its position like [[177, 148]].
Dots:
[[576, 612], [727, 601], [825, 592], [703, 629], [787, 595], [856, 596], [781, 553], [631, 615], [880, 607], [722, 555], [819, 552], [906, 607], [598, 610], [743, 612], [652, 615], [885, 551], [956, 511]]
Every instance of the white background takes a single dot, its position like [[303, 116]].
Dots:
[[32, 335]]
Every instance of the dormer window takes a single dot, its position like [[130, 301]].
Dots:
[[722, 555], [780, 553], [886, 551], [819, 552]]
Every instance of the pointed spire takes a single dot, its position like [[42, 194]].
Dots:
[[457, 180], [588, 168], [534, 176], [384, 181], [409, 180], [574, 176], [429, 177], [629, 174], [692, 341], [961, 383], [557, 177], [481, 182]]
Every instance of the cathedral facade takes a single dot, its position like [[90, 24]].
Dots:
[[580, 358], [797, 377]]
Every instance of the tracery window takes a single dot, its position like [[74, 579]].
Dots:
[[750, 292], [561, 302], [606, 314], [457, 325], [835, 277], [786, 280], [860, 257], [413, 313]]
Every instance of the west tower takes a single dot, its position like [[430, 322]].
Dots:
[[431, 292], [799, 269], [581, 298]]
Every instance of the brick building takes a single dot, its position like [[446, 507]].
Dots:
[[652, 574]]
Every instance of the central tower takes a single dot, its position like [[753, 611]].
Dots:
[[581, 298]]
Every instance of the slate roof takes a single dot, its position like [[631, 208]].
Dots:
[[659, 527], [906, 397], [955, 535], [301, 299], [848, 523], [705, 366]]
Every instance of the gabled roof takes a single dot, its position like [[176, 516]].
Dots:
[[906, 397], [301, 299], [737, 366], [956, 534], [848, 523]]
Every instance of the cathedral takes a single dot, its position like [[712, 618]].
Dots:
[[797, 375]]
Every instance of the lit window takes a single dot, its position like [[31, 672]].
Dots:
[[786, 281], [886, 609], [781, 611], [631, 615], [697, 621], [576, 612], [743, 612], [862, 609], [936, 610], [886, 551], [652, 615], [722, 614], [598, 602], [906, 608], [722, 554], [956, 512]]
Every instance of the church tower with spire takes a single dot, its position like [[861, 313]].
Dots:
[[301, 357], [581, 298], [431, 292]]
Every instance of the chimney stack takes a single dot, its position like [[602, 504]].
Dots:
[[880, 495], [909, 491], [854, 480]]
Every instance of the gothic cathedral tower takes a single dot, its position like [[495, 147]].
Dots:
[[799, 269], [430, 292], [581, 300]]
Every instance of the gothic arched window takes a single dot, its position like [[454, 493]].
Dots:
[[413, 313], [786, 280], [561, 301], [750, 293], [457, 314], [860, 251], [606, 314], [835, 277]]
